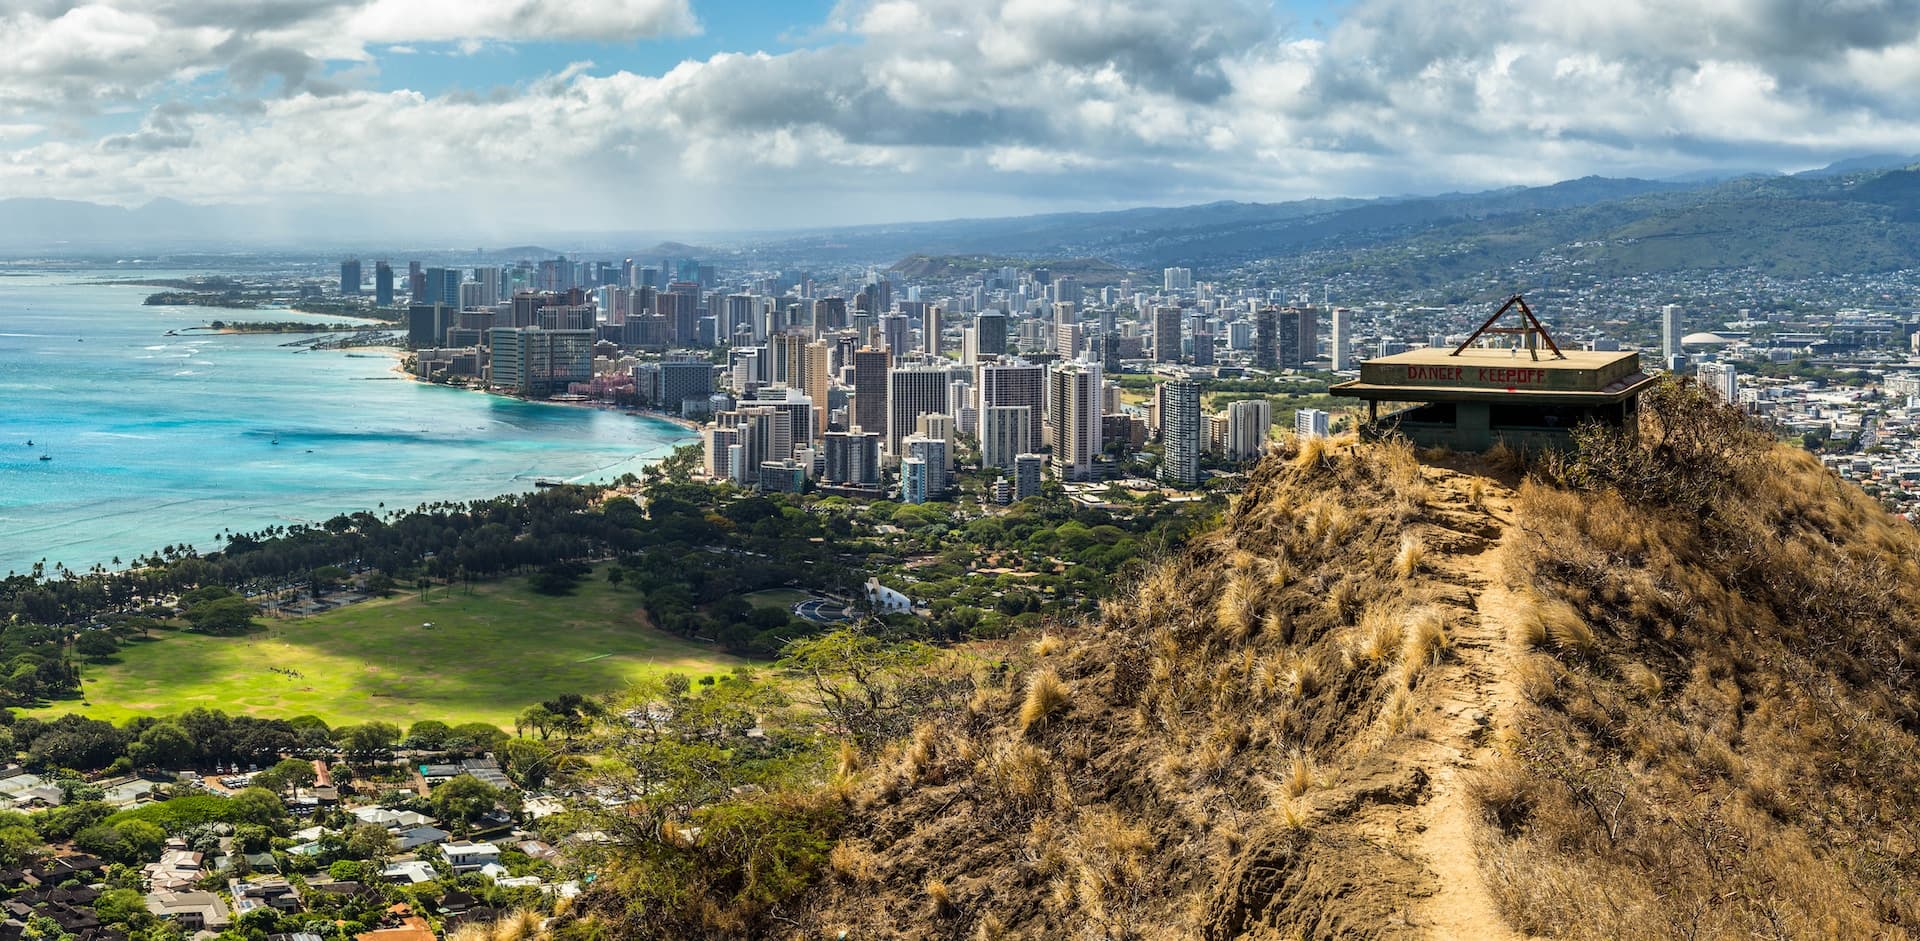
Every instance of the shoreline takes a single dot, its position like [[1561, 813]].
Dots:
[[399, 367], [515, 487]]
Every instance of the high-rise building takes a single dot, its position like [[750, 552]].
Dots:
[[427, 325], [681, 308], [1310, 423], [853, 457], [1342, 337], [913, 391], [1202, 348], [1249, 422], [896, 332], [829, 314], [1015, 384], [532, 361], [930, 327], [1177, 279], [870, 390], [443, 287], [766, 434], [382, 284], [1026, 474], [816, 379], [1005, 433], [1182, 431], [990, 329], [416, 282], [1166, 334], [1670, 332], [914, 484], [1723, 379], [350, 276], [938, 456], [1073, 418], [1067, 339], [681, 381], [740, 314], [1288, 337]]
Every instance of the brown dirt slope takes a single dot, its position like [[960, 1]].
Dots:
[[1267, 738], [1665, 691]]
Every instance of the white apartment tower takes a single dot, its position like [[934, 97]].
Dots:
[[1005, 433], [1248, 423], [1342, 337], [1670, 332], [913, 391], [1074, 420]]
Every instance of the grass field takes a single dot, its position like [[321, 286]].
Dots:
[[782, 598], [488, 656]]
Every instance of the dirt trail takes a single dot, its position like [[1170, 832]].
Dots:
[[1471, 694]]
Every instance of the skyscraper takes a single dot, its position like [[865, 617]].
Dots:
[[532, 361], [1015, 384], [1026, 474], [1067, 339], [913, 479], [1722, 378], [1166, 334], [443, 287], [382, 284], [1342, 336], [1073, 419], [896, 331], [990, 330], [1177, 279], [930, 327], [853, 457], [870, 390], [1310, 423], [1249, 422], [1182, 431], [937, 455], [1006, 431], [1670, 332], [913, 391], [350, 276]]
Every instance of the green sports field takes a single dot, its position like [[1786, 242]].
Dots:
[[487, 656]]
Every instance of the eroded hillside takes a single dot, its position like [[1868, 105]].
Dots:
[[1663, 690]]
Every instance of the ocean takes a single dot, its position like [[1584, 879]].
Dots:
[[162, 440]]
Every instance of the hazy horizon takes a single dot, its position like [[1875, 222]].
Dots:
[[689, 116]]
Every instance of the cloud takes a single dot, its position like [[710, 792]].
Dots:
[[925, 108]]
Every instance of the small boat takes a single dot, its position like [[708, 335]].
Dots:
[[47, 454], [29, 442], [276, 437]]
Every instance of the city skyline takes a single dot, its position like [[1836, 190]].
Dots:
[[685, 115]]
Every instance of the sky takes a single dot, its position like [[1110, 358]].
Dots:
[[697, 115]]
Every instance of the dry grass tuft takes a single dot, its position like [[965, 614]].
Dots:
[[1313, 452], [1048, 645], [921, 754], [853, 863], [1046, 695], [1377, 639], [990, 928], [1237, 609], [1300, 775], [940, 897], [1412, 555], [1019, 775]]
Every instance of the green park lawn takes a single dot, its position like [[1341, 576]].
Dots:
[[782, 598], [488, 656]]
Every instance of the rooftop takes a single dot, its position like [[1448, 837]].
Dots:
[[1439, 374]]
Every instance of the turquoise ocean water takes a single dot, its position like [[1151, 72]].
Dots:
[[161, 440]]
